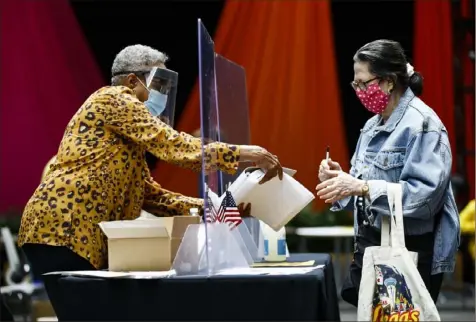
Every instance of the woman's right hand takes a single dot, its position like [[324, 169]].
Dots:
[[327, 166], [263, 159]]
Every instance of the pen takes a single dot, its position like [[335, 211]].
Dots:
[[327, 153]]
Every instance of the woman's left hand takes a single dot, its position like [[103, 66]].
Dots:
[[341, 185], [245, 211]]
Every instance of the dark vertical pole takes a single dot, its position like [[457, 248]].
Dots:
[[459, 116]]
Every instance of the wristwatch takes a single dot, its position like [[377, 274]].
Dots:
[[365, 189]]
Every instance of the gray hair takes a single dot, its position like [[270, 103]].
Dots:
[[133, 59]]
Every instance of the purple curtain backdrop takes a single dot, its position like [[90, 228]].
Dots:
[[47, 71]]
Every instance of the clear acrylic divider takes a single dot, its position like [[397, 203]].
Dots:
[[211, 246], [191, 258], [207, 249], [251, 247], [234, 127]]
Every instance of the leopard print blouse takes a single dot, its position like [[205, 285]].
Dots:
[[100, 174]]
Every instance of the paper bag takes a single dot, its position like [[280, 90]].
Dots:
[[275, 202]]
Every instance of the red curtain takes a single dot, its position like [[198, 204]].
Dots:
[[433, 58], [287, 50], [467, 12], [47, 73]]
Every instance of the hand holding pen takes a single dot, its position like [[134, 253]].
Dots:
[[326, 165]]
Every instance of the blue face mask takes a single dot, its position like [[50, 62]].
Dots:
[[156, 102]]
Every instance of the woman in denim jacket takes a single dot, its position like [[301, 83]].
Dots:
[[404, 142]]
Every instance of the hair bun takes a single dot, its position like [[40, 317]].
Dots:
[[416, 83]]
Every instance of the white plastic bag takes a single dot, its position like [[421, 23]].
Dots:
[[391, 288]]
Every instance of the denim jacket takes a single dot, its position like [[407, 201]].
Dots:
[[411, 148]]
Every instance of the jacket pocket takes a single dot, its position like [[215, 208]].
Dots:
[[387, 165]]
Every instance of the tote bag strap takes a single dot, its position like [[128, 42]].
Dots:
[[385, 231], [397, 230], [385, 221], [395, 236]]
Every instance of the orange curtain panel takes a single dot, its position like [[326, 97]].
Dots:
[[288, 52]]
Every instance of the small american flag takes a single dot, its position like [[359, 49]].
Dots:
[[228, 212], [210, 212]]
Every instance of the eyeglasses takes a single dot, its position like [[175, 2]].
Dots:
[[361, 85]]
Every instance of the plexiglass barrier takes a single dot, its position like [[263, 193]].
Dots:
[[223, 240], [234, 125]]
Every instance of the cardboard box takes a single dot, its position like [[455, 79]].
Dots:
[[145, 244]]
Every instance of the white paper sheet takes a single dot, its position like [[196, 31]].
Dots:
[[146, 275], [290, 172], [275, 202], [108, 274], [231, 271], [269, 270], [146, 215], [294, 270], [102, 274]]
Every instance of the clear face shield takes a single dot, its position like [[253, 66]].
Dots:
[[162, 86]]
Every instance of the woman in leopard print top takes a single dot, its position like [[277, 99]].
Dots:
[[100, 172]]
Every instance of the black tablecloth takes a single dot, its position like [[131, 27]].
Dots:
[[304, 297]]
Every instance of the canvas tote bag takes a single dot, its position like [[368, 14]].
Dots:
[[391, 288]]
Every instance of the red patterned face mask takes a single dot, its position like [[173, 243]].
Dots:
[[373, 98]]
